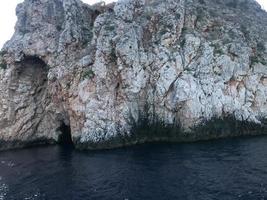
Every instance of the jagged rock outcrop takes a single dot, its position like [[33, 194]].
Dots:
[[134, 71]]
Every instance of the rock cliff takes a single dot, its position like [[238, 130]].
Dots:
[[133, 71]]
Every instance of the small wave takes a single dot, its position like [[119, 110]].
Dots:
[[3, 190], [35, 196], [8, 163]]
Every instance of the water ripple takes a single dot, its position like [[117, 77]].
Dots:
[[3, 190], [225, 169]]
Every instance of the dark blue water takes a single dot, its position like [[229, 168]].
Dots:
[[225, 169]]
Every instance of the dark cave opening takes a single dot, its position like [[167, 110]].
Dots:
[[64, 137]]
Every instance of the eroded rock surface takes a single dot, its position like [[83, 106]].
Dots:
[[134, 71]]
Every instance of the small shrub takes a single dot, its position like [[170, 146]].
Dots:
[[254, 59], [217, 49], [87, 35], [213, 13], [148, 14], [257, 59], [232, 4], [182, 44], [3, 65], [89, 74], [186, 30], [200, 14], [169, 26], [178, 16], [232, 34], [244, 5], [113, 56], [264, 62], [109, 27], [2, 53], [202, 2], [260, 47], [58, 27], [245, 31], [163, 31], [258, 55]]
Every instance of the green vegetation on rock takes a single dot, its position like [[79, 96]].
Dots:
[[88, 74]]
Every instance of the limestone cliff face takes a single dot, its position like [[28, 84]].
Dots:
[[134, 71]]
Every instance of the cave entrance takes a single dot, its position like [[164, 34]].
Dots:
[[64, 137], [30, 105]]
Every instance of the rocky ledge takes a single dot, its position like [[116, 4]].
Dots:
[[104, 76]]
